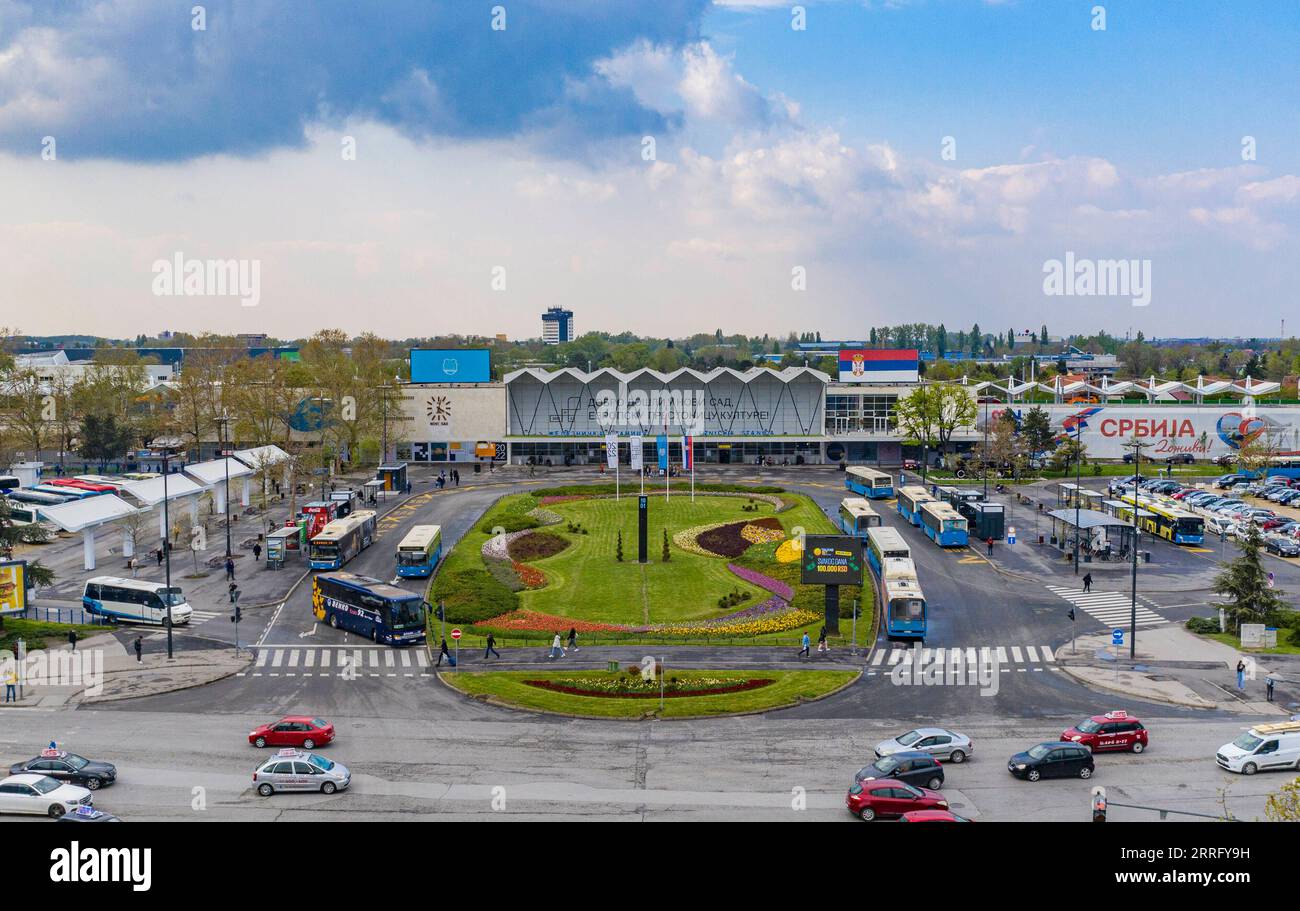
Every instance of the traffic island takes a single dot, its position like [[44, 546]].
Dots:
[[628, 694]]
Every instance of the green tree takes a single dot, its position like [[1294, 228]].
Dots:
[[667, 552], [103, 438], [1243, 582], [1036, 429], [933, 412]]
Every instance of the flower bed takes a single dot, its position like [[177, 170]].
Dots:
[[759, 534], [774, 615], [530, 576], [545, 516], [627, 687], [729, 540], [524, 620], [754, 577], [790, 551], [548, 501], [536, 545], [497, 547]]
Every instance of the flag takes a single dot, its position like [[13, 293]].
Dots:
[[611, 450], [688, 453], [661, 443], [635, 443]]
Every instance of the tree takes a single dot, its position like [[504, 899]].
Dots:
[[1042, 335], [1243, 582], [1036, 429], [933, 412], [618, 552], [667, 552], [103, 438], [940, 342], [1063, 458], [1284, 806]]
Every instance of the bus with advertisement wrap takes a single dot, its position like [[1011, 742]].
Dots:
[[370, 608], [341, 540]]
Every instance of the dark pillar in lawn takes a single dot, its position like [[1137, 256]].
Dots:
[[832, 610], [642, 523]]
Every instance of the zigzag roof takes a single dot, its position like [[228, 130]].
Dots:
[[788, 375]]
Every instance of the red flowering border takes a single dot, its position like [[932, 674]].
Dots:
[[752, 684]]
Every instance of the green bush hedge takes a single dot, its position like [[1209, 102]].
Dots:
[[1202, 625]]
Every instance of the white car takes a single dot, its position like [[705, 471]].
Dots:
[[41, 795]]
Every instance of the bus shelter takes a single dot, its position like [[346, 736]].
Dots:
[[85, 516], [1100, 535], [176, 489], [392, 477], [216, 475], [280, 543]]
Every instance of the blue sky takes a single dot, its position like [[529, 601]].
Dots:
[[523, 150]]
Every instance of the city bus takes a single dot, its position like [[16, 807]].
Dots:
[[884, 543], [341, 540], [943, 525], [420, 551], [134, 601], [1168, 522], [856, 516], [369, 608], [22, 513], [909, 503], [878, 485], [37, 497], [68, 492], [900, 591]]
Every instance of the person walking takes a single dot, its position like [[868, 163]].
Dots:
[[11, 687], [491, 647], [234, 591], [139, 650], [989, 542], [1087, 583], [1268, 687], [557, 650], [573, 638], [457, 473], [1241, 674], [806, 643], [159, 554], [72, 639], [257, 552], [822, 647], [443, 653], [230, 569]]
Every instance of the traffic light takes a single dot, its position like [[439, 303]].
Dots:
[[238, 615], [1098, 804], [440, 613]]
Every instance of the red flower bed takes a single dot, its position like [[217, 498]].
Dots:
[[533, 621], [742, 686], [529, 575]]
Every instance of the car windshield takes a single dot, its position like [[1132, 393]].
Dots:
[[1038, 752], [319, 723], [886, 765], [1088, 727], [1247, 742], [44, 785], [77, 762], [320, 762], [909, 738]]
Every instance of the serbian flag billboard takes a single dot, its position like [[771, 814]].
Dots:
[[688, 453], [880, 365]]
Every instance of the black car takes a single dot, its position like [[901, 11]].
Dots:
[[88, 814], [911, 766], [68, 767], [1182, 458], [1052, 760], [1283, 547]]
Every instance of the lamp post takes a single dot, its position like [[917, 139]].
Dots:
[[320, 415], [225, 460], [1137, 446], [167, 552], [1078, 479], [985, 472]]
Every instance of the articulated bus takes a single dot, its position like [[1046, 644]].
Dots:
[[856, 516], [1161, 521], [37, 497], [900, 591], [884, 543], [420, 551], [909, 503], [369, 608], [878, 485], [943, 525], [341, 540]]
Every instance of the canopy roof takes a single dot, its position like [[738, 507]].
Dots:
[[1089, 518], [79, 515], [261, 456], [211, 473], [150, 492]]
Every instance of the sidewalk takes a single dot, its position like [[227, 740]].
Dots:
[[122, 676], [1181, 668]]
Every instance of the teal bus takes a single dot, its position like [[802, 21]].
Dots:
[[869, 482], [370, 608]]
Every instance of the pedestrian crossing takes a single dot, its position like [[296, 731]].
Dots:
[[1113, 609], [347, 662], [203, 616], [1007, 658]]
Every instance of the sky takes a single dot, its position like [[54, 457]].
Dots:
[[415, 168]]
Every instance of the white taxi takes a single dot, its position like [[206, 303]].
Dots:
[[41, 795], [298, 770]]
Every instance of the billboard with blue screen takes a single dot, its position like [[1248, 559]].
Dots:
[[451, 365]]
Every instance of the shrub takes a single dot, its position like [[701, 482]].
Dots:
[[1202, 625], [471, 595]]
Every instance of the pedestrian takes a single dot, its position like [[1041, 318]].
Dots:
[[139, 649], [457, 477], [491, 647], [443, 653], [72, 639], [11, 686], [233, 589], [159, 554], [257, 552], [989, 542], [806, 643], [230, 568], [822, 647], [573, 638], [1241, 674], [1268, 687], [557, 650], [1087, 583]]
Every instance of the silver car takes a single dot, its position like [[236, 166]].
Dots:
[[298, 770], [938, 742]]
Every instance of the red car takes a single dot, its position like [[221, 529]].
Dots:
[[1112, 731], [911, 465], [302, 731], [887, 797], [932, 816]]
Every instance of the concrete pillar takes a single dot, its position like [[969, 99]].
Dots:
[[244, 499], [219, 491], [128, 544], [194, 509], [88, 548]]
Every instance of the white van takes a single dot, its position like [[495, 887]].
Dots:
[[134, 601], [1263, 748]]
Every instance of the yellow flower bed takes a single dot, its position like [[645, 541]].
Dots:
[[780, 624], [757, 534], [790, 551]]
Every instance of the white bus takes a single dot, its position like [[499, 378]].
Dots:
[[419, 551], [134, 601]]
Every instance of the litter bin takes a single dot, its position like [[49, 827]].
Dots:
[[1146, 556], [478, 467], [612, 666]]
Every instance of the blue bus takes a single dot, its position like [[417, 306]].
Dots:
[[856, 516], [341, 540], [369, 608], [943, 525], [906, 615], [909, 503], [883, 543], [420, 551], [877, 485]]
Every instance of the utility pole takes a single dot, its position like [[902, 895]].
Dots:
[[167, 552], [1078, 480], [225, 459], [1137, 446], [986, 451]]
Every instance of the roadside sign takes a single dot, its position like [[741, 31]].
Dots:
[[455, 634], [1011, 535], [1270, 580], [1117, 637]]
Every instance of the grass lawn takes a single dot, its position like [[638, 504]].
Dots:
[[1288, 643], [36, 632], [788, 688]]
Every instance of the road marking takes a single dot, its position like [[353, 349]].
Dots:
[[1108, 608], [293, 658]]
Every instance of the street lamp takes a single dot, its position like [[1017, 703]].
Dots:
[[167, 552], [1078, 480], [1137, 446], [225, 458], [986, 451]]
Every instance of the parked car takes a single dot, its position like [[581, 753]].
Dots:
[[1182, 458], [1225, 460], [932, 816], [1283, 547]]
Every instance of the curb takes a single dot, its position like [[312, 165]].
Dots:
[[1093, 685], [498, 702], [72, 700]]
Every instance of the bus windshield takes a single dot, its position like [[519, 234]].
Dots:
[[406, 614], [412, 557], [171, 596], [327, 549]]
